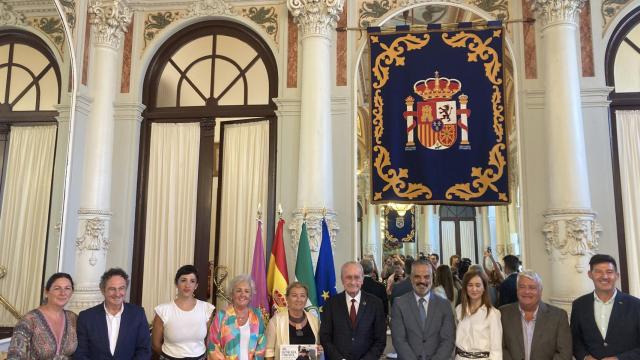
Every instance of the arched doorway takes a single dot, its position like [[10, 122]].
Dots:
[[208, 76], [623, 55]]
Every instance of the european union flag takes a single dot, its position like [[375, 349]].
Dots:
[[325, 271]]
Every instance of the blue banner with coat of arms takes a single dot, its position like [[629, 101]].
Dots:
[[437, 111]]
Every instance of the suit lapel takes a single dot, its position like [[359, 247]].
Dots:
[[539, 328], [344, 308], [591, 317], [361, 308], [124, 325], [103, 330], [616, 313]]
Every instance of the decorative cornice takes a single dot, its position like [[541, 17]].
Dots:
[[110, 19], [313, 218], [571, 232], [8, 16], [209, 8], [550, 12], [316, 17]]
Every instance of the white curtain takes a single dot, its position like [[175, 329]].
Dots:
[[468, 241], [24, 216], [171, 209], [628, 124], [245, 161], [448, 238]]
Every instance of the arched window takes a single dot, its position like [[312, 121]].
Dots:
[[622, 72], [458, 233], [214, 73]]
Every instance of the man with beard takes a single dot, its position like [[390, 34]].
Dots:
[[422, 325]]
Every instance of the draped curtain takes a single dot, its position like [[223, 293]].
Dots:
[[448, 229], [171, 209], [628, 128], [24, 216], [245, 162], [468, 240]]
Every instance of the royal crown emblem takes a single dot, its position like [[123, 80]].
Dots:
[[438, 116]]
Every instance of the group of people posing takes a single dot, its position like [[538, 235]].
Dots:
[[605, 324]]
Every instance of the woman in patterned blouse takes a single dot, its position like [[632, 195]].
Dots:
[[238, 332], [48, 332]]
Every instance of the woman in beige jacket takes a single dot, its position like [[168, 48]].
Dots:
[[294, 326]]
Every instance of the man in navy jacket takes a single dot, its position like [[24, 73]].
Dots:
[[605, 324], [113, 329]]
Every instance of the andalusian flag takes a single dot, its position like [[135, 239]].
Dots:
[[260, 298], [325, 271], [304, 267], [278, 275]]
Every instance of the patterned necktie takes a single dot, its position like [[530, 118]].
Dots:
[[423, 313], [352, 313]]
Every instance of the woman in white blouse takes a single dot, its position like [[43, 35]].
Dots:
[[479, 331], [180, 326]]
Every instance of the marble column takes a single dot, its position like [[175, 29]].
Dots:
[[570, 229], [316, 20], [109, 20]]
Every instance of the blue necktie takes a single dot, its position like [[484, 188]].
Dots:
[[422, 311]]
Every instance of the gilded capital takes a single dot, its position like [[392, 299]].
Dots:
[[558, 11], [109, 20], [316, 17]]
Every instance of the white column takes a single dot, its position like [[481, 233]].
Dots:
[[109, 20], [317, 21], [570, 229]]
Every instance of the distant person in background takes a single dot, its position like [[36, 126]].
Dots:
[[443, 285], [463, 267], [508, 288], [454, 261], [48, 332], [372, 286], [404, 286], [435, 260], [495, 275], [398, 275]]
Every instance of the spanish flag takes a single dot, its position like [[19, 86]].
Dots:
[[277, 275]]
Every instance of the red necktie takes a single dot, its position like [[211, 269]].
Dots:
[[352, 313]]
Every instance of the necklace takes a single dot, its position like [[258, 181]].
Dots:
[[298, 321]]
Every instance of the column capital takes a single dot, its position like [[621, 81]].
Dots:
[[313, 218], [550, 12], [109, 20], [316, 17], [571, 233]]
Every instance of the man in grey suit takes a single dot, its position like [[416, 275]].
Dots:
[[422, 325], [532, 329]]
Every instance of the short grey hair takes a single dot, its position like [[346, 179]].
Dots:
[[367, 266], [344, 266], [531, 275], [242, 278]]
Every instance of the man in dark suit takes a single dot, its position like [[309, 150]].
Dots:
[[532, 329], [373, 287], [605, 324], [353, 325], [422, 325], [113, 329], [507, 289]]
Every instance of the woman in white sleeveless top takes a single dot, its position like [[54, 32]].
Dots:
[[180, 326]]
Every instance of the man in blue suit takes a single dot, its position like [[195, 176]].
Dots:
[[353, 325], [113, 329], [605, 324]]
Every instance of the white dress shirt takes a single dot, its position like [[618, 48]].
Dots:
[[602, 312], [479, 332], [426, 302], [356, 304], [113, 327], [527, 331]]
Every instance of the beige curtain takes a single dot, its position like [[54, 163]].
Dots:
[[171, 209], [24, 216], [468, 240], [448, 229], [628, 124], [245, 161]]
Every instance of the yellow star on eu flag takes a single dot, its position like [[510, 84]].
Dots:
[[325, 295]]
